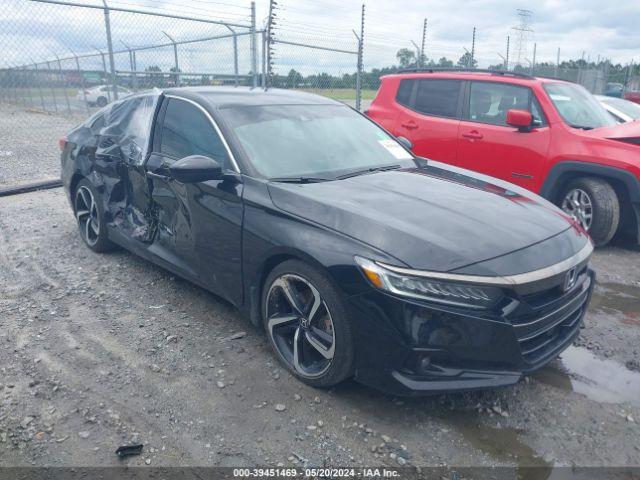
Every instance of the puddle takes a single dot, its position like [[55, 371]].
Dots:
[[502, 444], [604, 381], [620, 298]]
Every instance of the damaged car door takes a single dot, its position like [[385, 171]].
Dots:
[[119, 156], [197, 223]]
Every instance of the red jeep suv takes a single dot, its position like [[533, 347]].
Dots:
[[549, 136]]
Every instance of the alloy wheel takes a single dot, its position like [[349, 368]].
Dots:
[[300, 325], [87, 215], [577, 203]]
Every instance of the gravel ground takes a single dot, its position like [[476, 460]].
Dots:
[[98, 351], [29, 144]]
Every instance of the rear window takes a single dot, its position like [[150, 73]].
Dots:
[[404, 92], [438, 97]]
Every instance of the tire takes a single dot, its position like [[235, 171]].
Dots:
[[87, 207], [101, 101], [604, 207], [325, 332]]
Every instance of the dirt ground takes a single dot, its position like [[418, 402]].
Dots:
[[98, 351]]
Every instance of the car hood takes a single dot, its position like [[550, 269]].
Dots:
[[629, 131], [433, 218]]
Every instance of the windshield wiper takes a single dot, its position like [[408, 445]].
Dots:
[[583, 127], [300, 179], [368, 170]]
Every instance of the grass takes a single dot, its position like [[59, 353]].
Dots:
[[342, 93]]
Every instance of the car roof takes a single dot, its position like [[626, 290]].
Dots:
[[484, 75], [225, 97]]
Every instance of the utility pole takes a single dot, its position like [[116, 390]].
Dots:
[[424, 37], [359, 66], [557, 63], [473, 48], [270, 41], [506, 63], [533, 64], [522, 31], [254, 54]]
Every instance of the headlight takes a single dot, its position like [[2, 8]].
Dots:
[[439, 291]]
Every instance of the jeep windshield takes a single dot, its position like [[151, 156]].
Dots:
[[577, 107], [310, 143]]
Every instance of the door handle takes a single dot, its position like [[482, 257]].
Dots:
[[473, 135], [410, 125], [165, 178]]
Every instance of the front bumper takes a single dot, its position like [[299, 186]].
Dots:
[[409, 347]]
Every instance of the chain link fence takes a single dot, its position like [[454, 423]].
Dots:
[[70, 58]]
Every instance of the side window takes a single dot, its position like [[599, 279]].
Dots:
[[403, 97], [489, 102], [187, 131], [438, 97]]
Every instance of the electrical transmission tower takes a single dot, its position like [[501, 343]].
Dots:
[[522, 31]]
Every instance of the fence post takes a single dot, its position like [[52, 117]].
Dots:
[[112, 65], [29, 80], [132, 64], [176, 65], [39, 86], [64, 84], [254, 58], [263, 80], [82, 85], [53, 90]]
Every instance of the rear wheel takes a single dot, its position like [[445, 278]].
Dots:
[[307, 324], [593, 203], [101, 101], [90, 217]]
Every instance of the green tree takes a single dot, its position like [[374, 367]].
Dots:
[[467, 61], [406, 57], [294, 79]]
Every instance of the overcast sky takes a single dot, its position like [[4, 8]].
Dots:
[[609, 29]]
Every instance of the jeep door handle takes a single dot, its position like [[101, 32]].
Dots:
[[473, 135], [410, 125]]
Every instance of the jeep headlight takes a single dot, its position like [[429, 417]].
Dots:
[[445, 292]]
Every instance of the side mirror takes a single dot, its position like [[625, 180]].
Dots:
[[521, 119], [405, 142], [195, 168]]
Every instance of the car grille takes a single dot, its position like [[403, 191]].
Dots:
[[553, 319]]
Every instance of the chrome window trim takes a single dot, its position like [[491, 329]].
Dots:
[[215, 126], [510, 280]]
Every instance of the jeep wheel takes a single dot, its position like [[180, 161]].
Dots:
[[593, 203]]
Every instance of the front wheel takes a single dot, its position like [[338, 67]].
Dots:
[[307, 324], [593, 203], [101, 101], [90, 217]]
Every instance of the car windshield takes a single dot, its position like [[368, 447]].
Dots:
[[578, 107], [321, 141], [625, 106]]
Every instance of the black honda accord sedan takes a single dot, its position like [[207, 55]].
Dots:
[[359, 259]]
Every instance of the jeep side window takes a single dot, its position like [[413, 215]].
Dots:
[[438, 97], [403, 97], [490, 101]]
